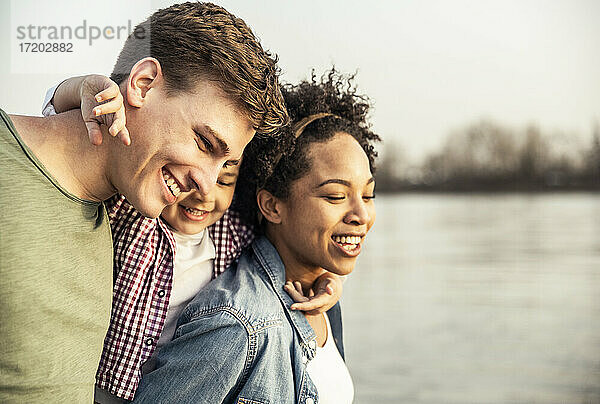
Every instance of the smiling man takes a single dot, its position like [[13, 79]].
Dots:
[[197, 87]]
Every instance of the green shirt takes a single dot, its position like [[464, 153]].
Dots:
[[55, 281]]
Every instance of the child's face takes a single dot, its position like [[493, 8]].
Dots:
[[192, 213]]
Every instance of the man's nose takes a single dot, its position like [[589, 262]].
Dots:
[[204, 179]]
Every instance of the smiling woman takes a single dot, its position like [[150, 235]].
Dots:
[[238, 340], [336, 196]]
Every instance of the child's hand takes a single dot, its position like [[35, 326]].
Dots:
[[93, 90], [324, 294]]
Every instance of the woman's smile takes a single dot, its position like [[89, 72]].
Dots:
[[349, 244]]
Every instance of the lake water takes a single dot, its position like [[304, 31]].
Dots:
[[477, 299]]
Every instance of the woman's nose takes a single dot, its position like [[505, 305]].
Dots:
[[359, 214]]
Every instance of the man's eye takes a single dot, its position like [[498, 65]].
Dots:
[[369, 197], [334, 198], [203, 144]]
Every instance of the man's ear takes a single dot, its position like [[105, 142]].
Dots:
[[269, 206], [144, 75]]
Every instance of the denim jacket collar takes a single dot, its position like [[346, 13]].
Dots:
[[271, 263]]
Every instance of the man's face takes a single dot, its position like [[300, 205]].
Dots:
[[178, 144]]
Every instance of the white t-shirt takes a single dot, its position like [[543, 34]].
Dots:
[[329, 373], [192, 270]]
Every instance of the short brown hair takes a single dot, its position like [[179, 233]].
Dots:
[[202, 41]]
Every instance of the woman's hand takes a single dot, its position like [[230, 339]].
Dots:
[[95, 89], [324, 294]]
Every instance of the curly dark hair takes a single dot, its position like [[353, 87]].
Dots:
[[275, 163]]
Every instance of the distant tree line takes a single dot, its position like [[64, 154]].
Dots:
[[486, 156]]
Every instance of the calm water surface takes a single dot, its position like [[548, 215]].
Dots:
[[477, 299]]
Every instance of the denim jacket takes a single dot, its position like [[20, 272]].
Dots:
[[238, 341]]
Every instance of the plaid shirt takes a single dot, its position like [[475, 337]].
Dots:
[[143, 271]]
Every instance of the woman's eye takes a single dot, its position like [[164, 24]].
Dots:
[[369, 197], [334, 198]]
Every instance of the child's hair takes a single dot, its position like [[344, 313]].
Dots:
[[274, 164]]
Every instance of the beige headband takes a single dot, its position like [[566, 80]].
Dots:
[[304, 122]]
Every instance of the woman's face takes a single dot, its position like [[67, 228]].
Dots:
[[329, 211]]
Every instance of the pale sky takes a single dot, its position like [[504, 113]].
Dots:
[[428, 66]]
